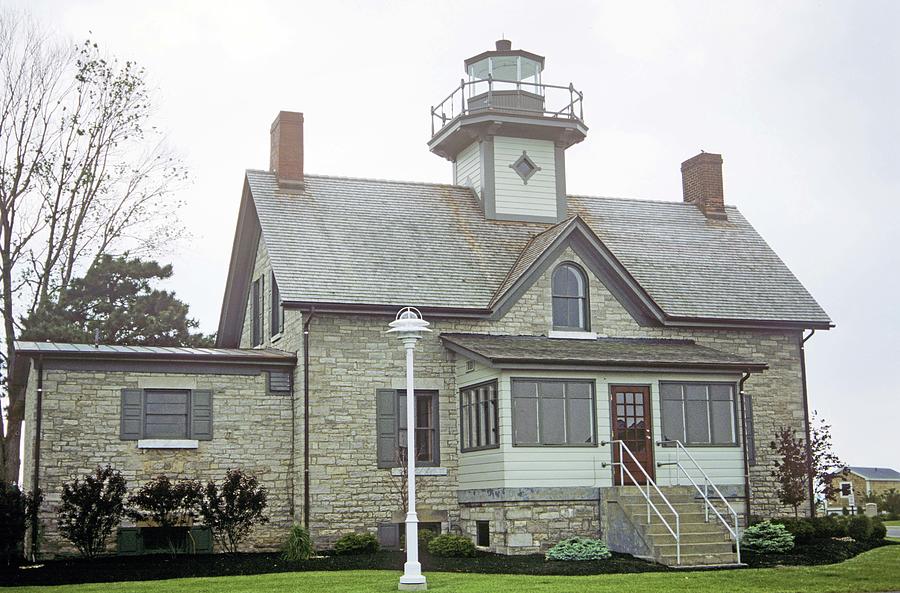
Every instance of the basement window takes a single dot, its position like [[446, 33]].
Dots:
[[483, 534]]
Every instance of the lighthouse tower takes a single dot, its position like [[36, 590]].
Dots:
[[506, 133]]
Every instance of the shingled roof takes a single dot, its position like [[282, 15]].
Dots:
[[390, 243], [503, 351]]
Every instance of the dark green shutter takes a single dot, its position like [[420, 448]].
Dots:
[[132, 415], [749, 440], [128, 541], [386, 427], [201, 415]]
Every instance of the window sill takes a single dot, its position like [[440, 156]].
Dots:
[[422, 471], [168, 444], [276, 337], [573, 335]]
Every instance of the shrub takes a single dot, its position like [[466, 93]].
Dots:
[[356, 543], [859, 528], [449, 545], [878, 532], [91, 508], [768, 538], [299, 545], [827, 527], [802, 529], [232, 509], [14, 517], [426, 535], [169, 505], [579, 548]]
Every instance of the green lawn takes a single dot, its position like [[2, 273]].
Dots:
[[878, 570], [893, 523]]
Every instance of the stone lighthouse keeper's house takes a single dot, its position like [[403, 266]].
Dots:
[[580, 343]]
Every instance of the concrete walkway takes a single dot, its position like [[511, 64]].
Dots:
[[893, 531]]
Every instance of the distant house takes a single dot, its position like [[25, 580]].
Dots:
[[579, 344], [857, 481]]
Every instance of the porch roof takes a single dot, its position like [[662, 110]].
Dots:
[[617, 353]]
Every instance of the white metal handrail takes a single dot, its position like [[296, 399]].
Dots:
[[648, 481], [704, 492]]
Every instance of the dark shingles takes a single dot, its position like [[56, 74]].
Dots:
[[601, 351], [363, 241]]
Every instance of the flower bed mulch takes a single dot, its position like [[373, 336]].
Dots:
[[156, 567]]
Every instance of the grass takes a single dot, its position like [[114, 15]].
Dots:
[[895, 523], [877, 570]]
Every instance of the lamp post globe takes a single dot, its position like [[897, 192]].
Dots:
[[410, 327]]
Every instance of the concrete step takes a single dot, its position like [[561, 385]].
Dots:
[[703, 537], [668, 549], [708, 529], [699, 560]]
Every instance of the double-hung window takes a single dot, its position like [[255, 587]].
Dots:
[[553, 412], [479, 424], [699, 413]]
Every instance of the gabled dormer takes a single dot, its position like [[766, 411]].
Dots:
[[506, 132]]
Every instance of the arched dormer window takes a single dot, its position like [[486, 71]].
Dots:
[[570, 298]]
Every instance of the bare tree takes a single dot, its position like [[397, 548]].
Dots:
[[82, 173]]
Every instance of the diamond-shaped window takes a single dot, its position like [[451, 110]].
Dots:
[[525, 167]]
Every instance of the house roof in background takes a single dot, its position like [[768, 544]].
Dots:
[[363, 241], [875, 473], [605, 352]]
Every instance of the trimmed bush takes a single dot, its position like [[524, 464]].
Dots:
[[299, 545], [233, 508], [171, 506], [879, 531], [802, 529], [356, 543], [451, 546], [768, 538], [577, 549], [828, 526], [859, 528], [426, 535], [91, 508]]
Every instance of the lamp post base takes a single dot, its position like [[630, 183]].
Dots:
[[413, 586]]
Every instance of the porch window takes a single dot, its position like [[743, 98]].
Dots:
[[699, 413], [479, 424], [553, 412], [569, 288]]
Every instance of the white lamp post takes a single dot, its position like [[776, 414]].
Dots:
[[410, 328]]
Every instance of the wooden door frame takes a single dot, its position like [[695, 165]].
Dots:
[[612, 415]]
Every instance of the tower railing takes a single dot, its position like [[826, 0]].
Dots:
[[648, 482], [493, 95], [733, 529]]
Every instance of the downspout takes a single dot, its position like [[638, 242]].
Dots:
[[35, 485], [747, 513], [811, 478], [306, 418]]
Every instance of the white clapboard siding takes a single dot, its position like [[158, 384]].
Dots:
[[468, 167], [514, 196]]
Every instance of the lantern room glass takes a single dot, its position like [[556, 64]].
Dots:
[[507, 72]]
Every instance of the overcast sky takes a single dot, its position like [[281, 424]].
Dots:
[[801, 98]]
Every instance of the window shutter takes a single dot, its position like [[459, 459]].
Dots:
[[132, 415], [749, 440], [201, 415], [386, 427], [280, 382]]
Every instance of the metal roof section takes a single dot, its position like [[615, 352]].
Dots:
[[612, 353], [875, 473], [58, 350]]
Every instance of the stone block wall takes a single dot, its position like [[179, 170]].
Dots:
[[80, 430]]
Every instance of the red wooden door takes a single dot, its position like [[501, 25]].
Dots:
[[631, 424]]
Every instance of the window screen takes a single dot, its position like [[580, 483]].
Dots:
[[699, 413], [479, 423], [553, 412]]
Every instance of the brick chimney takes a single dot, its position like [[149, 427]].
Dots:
[[286, 156], [701, 180]]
